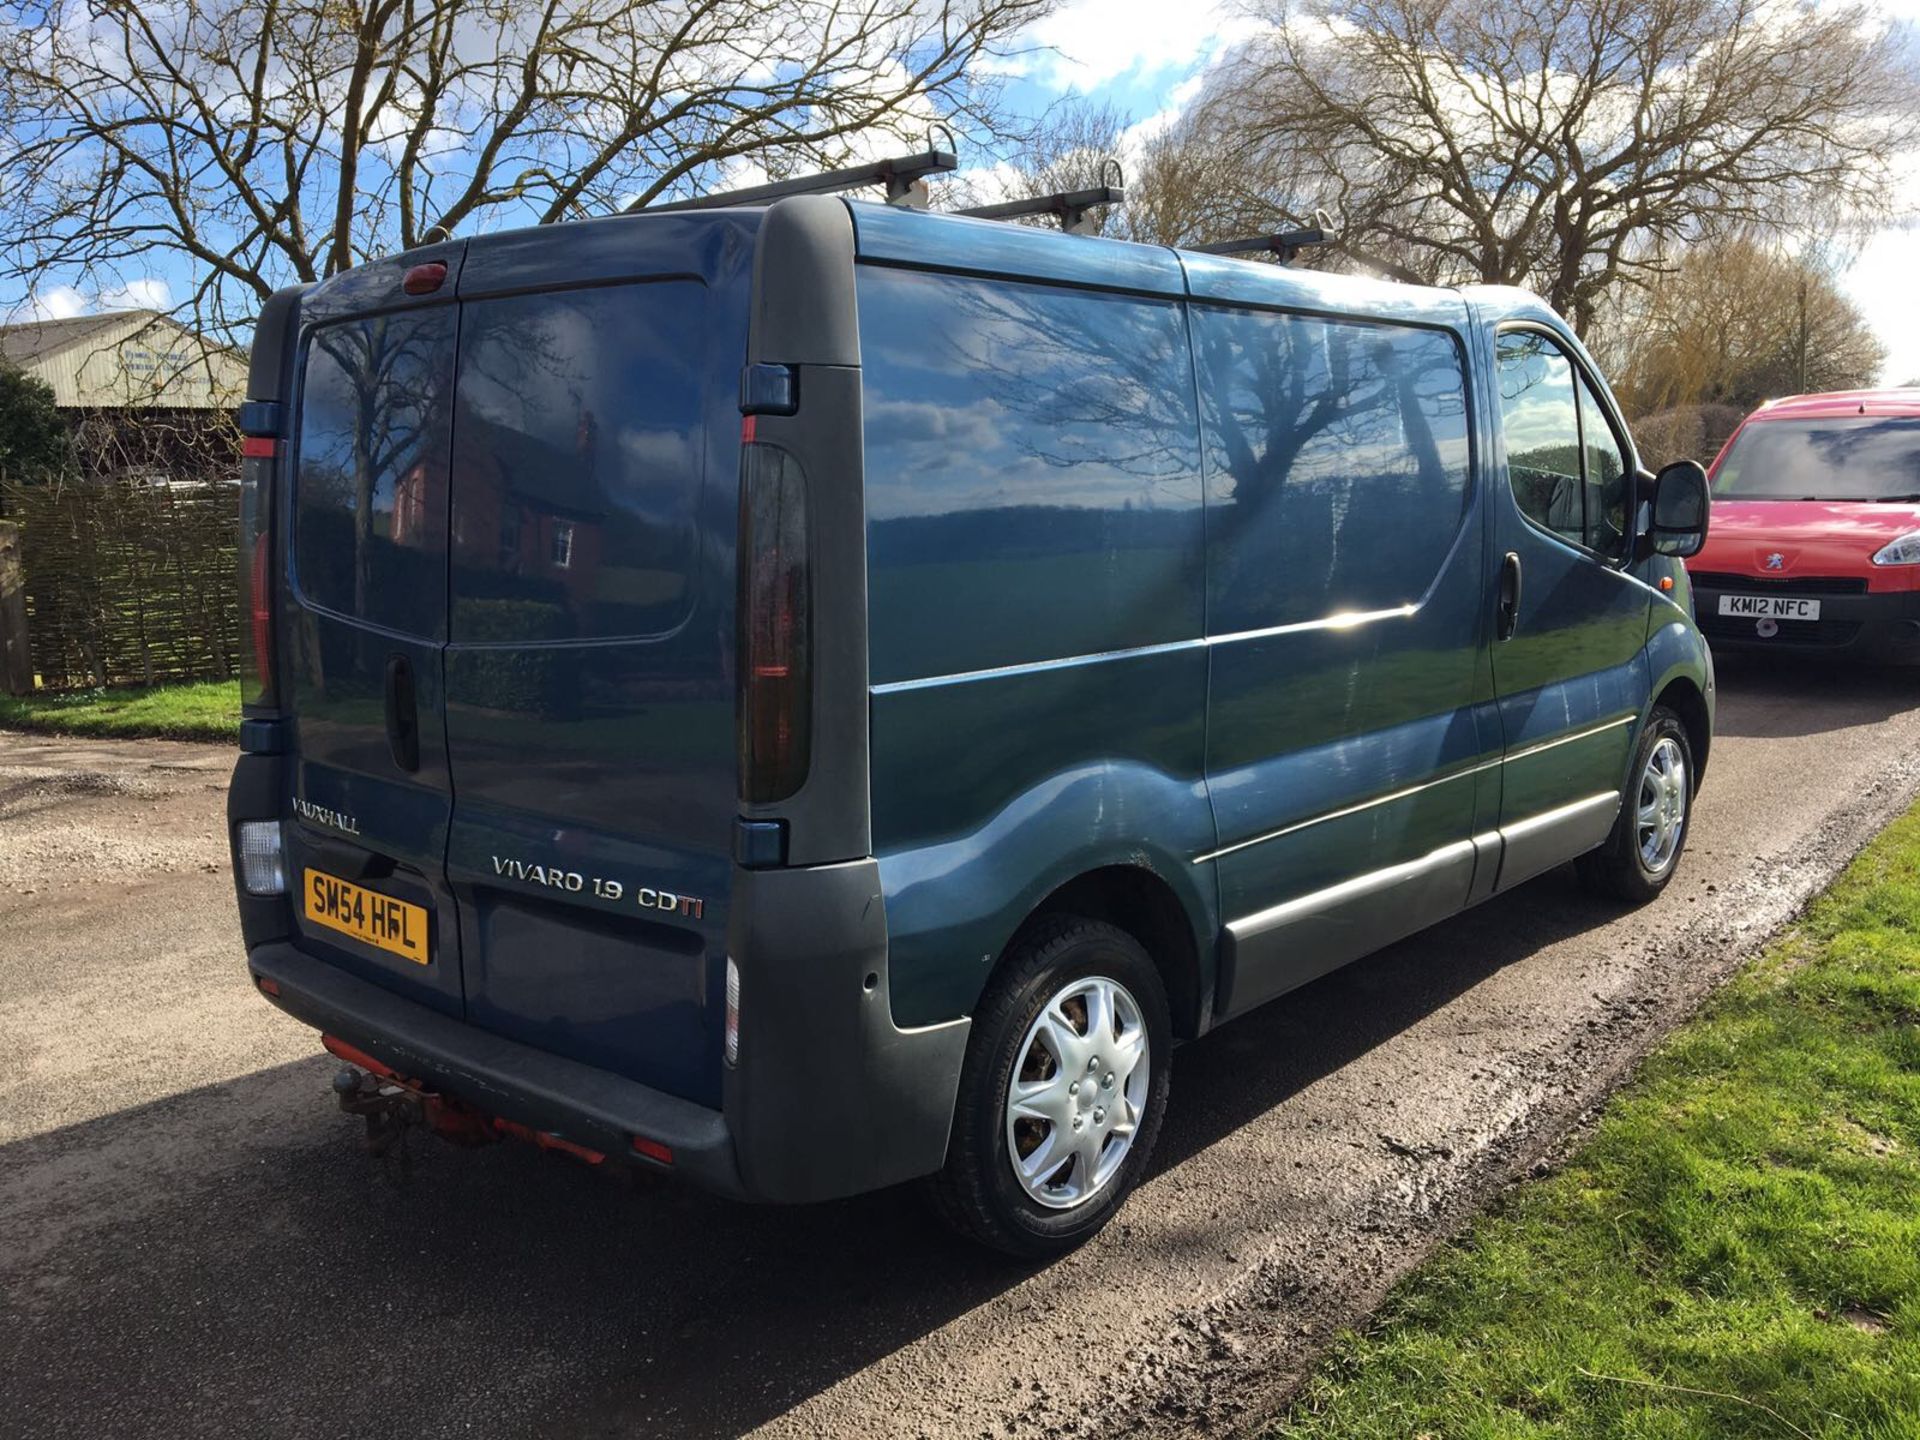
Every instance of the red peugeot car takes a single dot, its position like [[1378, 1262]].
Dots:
[[1815, 544]]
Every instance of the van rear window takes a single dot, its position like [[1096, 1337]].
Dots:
[[577, 457], [369, 494]]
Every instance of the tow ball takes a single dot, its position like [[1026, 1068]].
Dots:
[[387, 1108], [392, 1107]]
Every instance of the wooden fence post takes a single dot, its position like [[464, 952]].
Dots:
[[16, 657]]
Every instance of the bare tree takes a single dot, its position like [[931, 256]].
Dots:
[[1565, 145], [267, 141], [1189, 186], [1068, 147], [1735, 323]]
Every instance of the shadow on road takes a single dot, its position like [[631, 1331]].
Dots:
[[1777, 698], [288, 1274]]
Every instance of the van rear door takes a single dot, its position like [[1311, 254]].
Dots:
[[366, 604], [590, 687]]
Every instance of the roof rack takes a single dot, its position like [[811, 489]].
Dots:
[[903, 175], [1071, 207], [905, 179], [1287, 244]]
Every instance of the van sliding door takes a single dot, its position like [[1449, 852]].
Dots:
[[1345, 744]]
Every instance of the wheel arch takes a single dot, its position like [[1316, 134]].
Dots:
[[1685, 699], [1138, 900]]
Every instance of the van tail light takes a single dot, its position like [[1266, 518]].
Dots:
[[776, 641], [259, 603], [258, 457]]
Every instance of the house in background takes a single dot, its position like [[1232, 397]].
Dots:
[[127, 359]]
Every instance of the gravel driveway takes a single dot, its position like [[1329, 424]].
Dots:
[[190, 1241]]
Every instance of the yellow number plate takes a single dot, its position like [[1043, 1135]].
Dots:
[[371, 918]]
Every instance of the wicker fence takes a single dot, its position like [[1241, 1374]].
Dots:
[[128, 581]]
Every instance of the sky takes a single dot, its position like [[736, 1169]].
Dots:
[[1149, 58]]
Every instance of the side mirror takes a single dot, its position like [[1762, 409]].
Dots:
[[1679, 511]]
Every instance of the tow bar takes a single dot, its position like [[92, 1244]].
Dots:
[[392, 1107], [388, 1108]]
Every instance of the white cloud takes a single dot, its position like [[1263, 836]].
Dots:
[[62, 302], [1090, 43], [147, 293]]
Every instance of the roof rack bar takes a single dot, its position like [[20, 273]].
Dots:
[[1286, 244], [900, 175], [1070, 206]]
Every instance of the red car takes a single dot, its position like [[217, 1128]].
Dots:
[[1815, 543]]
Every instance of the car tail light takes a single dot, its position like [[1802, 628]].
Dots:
[[776, 678], [260, 603], [259, 454]]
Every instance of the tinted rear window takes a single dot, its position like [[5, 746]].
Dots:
[[1336, 464], [1033, 487], [370, 494], [1867, 457], [577, 447]]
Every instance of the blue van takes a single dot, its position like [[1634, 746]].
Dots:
[[816, 695]]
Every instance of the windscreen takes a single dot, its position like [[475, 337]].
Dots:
[[1866, 457]]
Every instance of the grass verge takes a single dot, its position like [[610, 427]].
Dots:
[[205, 711], [1735, 1251]]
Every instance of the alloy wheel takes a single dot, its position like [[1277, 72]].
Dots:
[[1662, 805], [1078, 1092]]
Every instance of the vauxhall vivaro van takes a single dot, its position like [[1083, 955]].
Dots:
[[815, 695]]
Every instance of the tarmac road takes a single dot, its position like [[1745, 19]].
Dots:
[[191, 1242]]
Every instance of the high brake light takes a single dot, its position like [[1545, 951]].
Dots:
[[776, 642]]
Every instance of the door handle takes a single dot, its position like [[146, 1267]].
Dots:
[[403, 714], [1509, 610]]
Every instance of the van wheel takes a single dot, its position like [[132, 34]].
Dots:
[[1643, 851], [1061, 1095]]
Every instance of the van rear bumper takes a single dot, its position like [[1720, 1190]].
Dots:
[[581, 1103], [829, 1097]]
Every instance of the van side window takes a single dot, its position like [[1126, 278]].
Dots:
[[1542, 423], [577, 462], [370, 513], [1607, 473], [1337, 462], [1033, 473]]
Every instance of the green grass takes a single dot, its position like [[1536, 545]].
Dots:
[[206, 711], [1736, 1250]]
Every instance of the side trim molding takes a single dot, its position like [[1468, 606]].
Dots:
[[1360, 886], [1402, 794]]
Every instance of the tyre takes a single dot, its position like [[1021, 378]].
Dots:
[[1062, 1091], [1641, 854]]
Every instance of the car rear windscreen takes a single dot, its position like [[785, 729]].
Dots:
[[1867, 457]]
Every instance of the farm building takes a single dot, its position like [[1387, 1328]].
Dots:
[[126, 359]]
